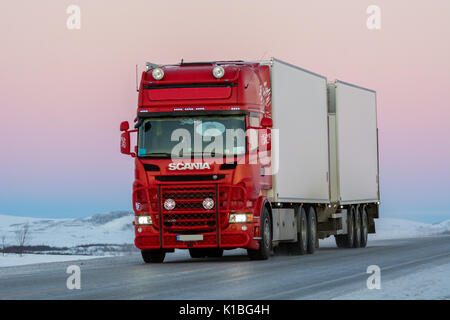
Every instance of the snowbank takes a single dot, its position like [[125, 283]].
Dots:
[[432, 283], [9, 260]]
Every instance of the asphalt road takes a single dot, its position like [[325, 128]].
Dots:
[[329, 273]]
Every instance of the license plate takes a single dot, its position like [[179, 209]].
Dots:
[[190, 237]]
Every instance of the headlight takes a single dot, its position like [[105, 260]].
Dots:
[[143, 220], [158, 73], [218, 72], [208, 203], [169, 204], [241, 217]]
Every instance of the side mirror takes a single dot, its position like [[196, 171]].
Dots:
[[125, 144], [125, 139], [124, 126], [266, 122]]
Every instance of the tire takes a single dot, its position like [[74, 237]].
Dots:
[[312, 230], [198, 253], [341, 241], [357, 228], [299, 247], [346, 240], [364, 227], [265, 244], [153, 256], [214, 253]]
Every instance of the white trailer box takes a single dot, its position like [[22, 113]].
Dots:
[[354, 147], [299, 112]]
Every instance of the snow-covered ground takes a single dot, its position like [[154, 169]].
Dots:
[[9, 260], [115, 228], [431, 283]]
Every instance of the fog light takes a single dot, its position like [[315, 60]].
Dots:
[[169, 204], [218, 72], [143, 220], [158, 73], [139, 229], [244, 228], [208, 203], [241, 217]]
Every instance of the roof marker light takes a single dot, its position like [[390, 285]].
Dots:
[[218, 72], [158, 73]]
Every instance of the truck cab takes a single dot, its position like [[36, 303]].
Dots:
[[199, 183]]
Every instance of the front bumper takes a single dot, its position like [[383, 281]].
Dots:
[[189, 216], [148, 237]]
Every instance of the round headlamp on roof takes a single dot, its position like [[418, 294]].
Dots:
[[158, 73], [218, 72]]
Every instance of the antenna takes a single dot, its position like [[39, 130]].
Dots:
[[264, 54], [137, 87]]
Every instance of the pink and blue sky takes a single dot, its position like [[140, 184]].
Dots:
[[64, 92]]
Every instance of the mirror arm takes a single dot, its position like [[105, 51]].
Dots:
[[133, 154]]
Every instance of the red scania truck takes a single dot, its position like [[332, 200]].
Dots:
[[303, 165]]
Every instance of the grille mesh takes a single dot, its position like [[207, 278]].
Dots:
[[189, 213]]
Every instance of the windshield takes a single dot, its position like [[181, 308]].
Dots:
[[186, 137]]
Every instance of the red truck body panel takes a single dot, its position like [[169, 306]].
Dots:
[[191, 89]]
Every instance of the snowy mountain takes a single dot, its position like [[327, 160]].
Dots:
[[389, 228], [108, 228]]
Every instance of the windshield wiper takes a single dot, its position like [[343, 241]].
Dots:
[[187, 155], [157, 155], [212, 154]]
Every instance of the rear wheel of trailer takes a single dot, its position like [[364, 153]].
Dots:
[[299, 247], [364, 227], [312, 230], [346, 240], [357, 228]]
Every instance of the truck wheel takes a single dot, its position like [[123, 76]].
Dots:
[[214, 253], [153, 256], [357, 228], [198, 253], [341, 241], [364, 227], [265, 244], [346, 240], [312, 230], [299, 247]]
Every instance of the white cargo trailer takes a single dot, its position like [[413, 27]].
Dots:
[[353, 111], [299, 113], [326, 156]]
